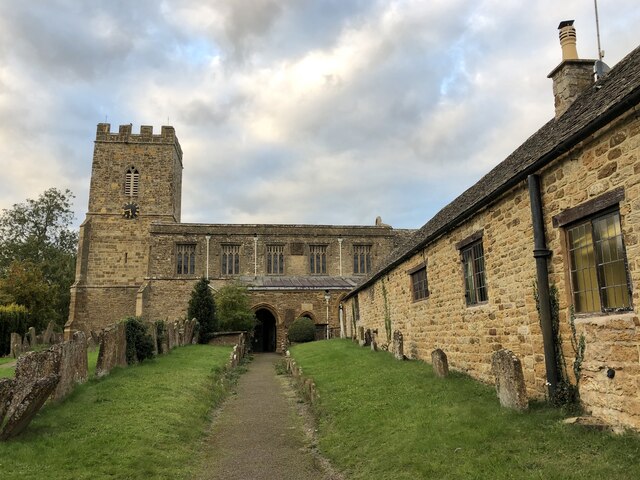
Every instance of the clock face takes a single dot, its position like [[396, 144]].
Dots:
[[130, 210]]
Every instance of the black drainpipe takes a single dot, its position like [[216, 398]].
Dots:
[[541, 253]]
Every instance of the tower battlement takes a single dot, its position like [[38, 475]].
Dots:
[[167, 135]]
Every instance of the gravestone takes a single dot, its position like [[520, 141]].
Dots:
[[31, 334], [398, 347], [153, 333], [510, 386], [73, 367], [6, 394], [32, 366], [171, 335], [188, 332], [47, 336], [440, 363], [113, 349], [367, 337], [16, 345], [361, 334], [374, 346], [195, 329], [26, 401]]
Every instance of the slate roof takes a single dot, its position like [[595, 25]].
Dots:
[[607, 99], [278, 282]]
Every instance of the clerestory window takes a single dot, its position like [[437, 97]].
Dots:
[[186, 259], [275, 259], [361, 259], [231, 259], [318, 259]]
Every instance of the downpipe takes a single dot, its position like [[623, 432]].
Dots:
[[541, 254]]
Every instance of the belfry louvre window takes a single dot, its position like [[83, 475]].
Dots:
[[131, 182], [599, 279], [361, 259], [186, 259], [419, 284], [318, 259], [275, 259], [475, 285], [231, 259]]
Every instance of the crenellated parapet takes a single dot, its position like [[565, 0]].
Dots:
[[167, 135]]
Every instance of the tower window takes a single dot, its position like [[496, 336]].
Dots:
[[186, 259], [131, 182], [318, 259], [230, 259]]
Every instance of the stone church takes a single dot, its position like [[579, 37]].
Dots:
[[135, 257]]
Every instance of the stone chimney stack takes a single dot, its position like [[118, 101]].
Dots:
[[573, 75]]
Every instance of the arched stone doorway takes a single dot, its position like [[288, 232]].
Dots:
[[264, 336]]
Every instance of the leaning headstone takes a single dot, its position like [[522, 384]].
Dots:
[[398, 348], [510, 385], [153, 333], [361, 334], [367, 337], [374, 346], [47, 336], [16, 345], [6, 394], [171, 335], [27, 399], [33, 340], [113, 349], [35, 365], [73, 365], [439, 363]]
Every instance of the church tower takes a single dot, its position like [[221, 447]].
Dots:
[[136, 180]]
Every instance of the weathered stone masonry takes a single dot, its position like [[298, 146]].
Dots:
[[599, 136]]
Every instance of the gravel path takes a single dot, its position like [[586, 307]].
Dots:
[[259, 432]]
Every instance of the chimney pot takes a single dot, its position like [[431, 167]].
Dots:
[[567, 34]]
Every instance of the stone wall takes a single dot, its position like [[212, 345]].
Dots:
[[470, 334]]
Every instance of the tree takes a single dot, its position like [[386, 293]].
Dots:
[[202, 307], [232, 308], [37, 244]]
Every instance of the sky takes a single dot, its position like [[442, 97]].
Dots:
[[289, 111]]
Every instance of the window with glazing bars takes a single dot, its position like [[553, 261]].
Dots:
[[186, 259], [361, 259], [599, 278], [475, 285], [231, 259], [318, 259], [275, 259], [419, 284], [131, 182]]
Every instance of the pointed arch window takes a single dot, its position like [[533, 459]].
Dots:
[[131, 182]]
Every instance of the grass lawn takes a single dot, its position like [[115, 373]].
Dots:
[[10, 372], [4, 360], [145, 421], [384, 419]]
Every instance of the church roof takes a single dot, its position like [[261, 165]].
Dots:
[[280, 282], [607, 99]]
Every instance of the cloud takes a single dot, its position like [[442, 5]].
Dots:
[[287, 111]]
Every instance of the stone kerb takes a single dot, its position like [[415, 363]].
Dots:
[[73, 366], [306, 386], [237, 353], [510, 386], [440, 363], [113, 349], [398, 345]]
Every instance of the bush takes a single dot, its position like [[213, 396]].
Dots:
[[232, 308], [139, 342], [203, 308], [302, 330], [13, 319]]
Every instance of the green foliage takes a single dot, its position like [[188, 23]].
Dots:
[[202, 307], [567, 395], [233, 310], [13, 319], [302, 330], [409, 424], [139, 342], [160, 406], [37, 256], [387, 313], [579, 345]]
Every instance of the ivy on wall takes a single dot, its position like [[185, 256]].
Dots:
[[387, 313]]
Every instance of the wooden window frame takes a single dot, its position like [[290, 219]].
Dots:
[[592, 211], [419, 286], [469, 245]]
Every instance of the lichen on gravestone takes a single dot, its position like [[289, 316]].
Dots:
[[510, 385], [440, 363]]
